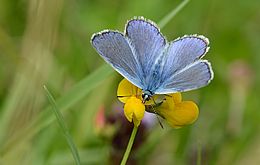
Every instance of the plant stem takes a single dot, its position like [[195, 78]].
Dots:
[[166, 19], [129, 146]]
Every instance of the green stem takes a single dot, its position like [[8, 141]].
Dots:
[[129, 146], [169, 16]]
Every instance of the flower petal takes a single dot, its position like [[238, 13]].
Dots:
[[134, 110], [176, 97], [126, 89], [183, 114]]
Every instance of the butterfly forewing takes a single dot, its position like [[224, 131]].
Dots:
[[148, 44], [115, 50]]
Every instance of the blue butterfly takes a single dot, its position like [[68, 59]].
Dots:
[[144, 57]]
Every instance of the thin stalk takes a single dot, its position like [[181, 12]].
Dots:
[[63, 126], [129, 146], [166, 19]]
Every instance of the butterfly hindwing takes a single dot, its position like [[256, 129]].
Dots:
[[183, 69], [194, 76]]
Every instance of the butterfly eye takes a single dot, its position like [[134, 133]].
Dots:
[[143, 96]]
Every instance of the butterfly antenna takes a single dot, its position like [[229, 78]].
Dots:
[[123, 96], [167, 95], [156, 114]]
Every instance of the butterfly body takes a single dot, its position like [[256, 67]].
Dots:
[[144, 57]]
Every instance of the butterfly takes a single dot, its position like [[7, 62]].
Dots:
[[145, 58]]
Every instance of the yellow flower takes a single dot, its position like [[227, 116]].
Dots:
[[131, 96], [176, 112]]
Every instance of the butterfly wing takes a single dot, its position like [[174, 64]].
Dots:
[[114, 48], [182, 67], [148, 44], [144, 57]]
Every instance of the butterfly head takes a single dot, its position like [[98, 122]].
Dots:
[[146, 96]]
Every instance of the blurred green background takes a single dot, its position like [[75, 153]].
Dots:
[[48, 43]]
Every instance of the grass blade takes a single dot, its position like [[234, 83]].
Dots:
[[82, 88], [166, 19], [63, 126]]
